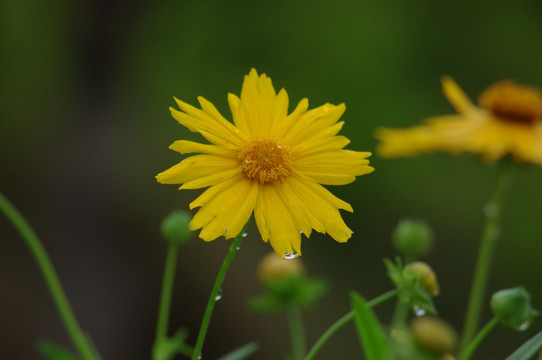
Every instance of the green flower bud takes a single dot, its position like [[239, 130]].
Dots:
[[426, 275], [513, 308], [272, 267], [412, 238], [175, 227], [433, 335]]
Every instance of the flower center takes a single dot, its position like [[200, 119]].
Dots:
[[265, 160], [509, 101]]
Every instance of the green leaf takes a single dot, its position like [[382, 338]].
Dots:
[[93, 347], [528, 349], [53, 351], [167, 348], [373, 340], [241, 353]]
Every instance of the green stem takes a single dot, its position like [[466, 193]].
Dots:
[[483, 262], [77, 336], [344, 320], [215, 296], [400, 315], [478, 339], [296, 332], [165, 298]]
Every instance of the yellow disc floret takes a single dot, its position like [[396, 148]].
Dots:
[[265, 160], [509, 101]]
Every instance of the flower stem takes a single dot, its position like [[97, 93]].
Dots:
[[400, 315], [165, 298], [344, 320], [214, 295], [483, 262], [75, 333], [296, 332], [478, 339]]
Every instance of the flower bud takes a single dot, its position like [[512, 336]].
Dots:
[[175, 227], [272, 267], [412, 238], [513, 308], [433, 335], [426, 275]]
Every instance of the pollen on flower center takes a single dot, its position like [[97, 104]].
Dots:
[[265, 160], [513, 102]]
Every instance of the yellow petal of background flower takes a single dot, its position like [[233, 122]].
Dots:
[[456, 96]]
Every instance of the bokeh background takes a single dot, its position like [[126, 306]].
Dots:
[[84, 128]]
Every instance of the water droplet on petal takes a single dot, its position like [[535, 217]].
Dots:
[[419, 311], [289, 256]]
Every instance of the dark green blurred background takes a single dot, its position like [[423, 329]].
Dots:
[[85, 126]]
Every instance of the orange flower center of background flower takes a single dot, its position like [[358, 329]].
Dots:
[[265, 160], [509, 101]]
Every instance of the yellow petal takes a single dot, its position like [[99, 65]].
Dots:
[[313, 122], [224, 209], [258, 103], [333, 168], [195, 167], [456, 96], [185, 146], [212, 179], [206, 196], [320, 146], [283, 126], [231, 221], [197, 120], [278, 223], [326, 212]]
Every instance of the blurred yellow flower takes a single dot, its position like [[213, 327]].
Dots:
[[506, 122], [268, 163]]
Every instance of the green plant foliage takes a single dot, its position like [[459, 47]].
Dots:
[[241, 353], [528, 349], [373, 340]]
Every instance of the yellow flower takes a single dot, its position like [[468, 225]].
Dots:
[[506, 122], [268, 163]]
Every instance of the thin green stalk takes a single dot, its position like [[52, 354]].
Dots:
[[400, 315], [478, 339], [345, 319], [215, 296], [165, 298], [483, 262], [297, 332], [77, 336]]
